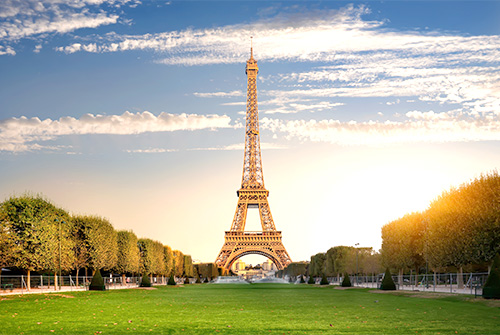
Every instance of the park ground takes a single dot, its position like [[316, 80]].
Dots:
[[248, 309]]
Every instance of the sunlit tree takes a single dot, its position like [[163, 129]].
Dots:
[[100, 241], [38, 233]]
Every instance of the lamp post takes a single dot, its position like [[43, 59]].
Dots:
[[356, 246], [60, 276]]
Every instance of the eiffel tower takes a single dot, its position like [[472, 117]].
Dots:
[[252, 194]]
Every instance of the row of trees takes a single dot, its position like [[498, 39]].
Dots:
[[37, 236], [336, 262], [460, 228]]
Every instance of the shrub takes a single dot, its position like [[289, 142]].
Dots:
[[324, 281], [346, 282], [198, 281], [491, 289], [171, 280], [387, 282], [311, 280], [145, 281], [302, 281], [97, 283]]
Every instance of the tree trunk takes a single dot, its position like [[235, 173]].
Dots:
[[460, 278], [77, 270], [55, 281], [28, 284], [400, 277], [123, 279]]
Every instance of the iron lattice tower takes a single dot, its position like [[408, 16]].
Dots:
[[252, 194]]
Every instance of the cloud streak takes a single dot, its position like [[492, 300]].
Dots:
[[20, 19], [23, 134], [418, 127]]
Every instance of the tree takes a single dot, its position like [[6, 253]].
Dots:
[[188, 266], [37, 230], [295, 269], [8, 248], [346, 282], [145, 281], [168, 258], [387, 282], [491, 289], [128, 257], [100, 241], [317, 264], [403, 242], [146, 261], [464, 224], [178, 263], [97, 283], [340, 259], [158, 258]]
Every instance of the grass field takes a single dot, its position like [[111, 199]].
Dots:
[[247, 309]]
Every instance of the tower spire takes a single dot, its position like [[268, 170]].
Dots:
[[251, 47]]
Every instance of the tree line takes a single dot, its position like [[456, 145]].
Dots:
[[460, 229], [36, 236], [336, 262]]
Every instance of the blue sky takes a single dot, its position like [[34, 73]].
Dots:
[[134, 110]]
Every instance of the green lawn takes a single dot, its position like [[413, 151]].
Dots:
[[247, 309]]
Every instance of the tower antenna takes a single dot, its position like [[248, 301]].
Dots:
[[251, 46]]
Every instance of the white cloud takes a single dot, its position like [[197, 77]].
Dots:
[[23, 134], [38, 48], [293, 107], [311, 36], [418, 127], [7, 50], [35, 19], [219, 94], [241, 147], [151, 151], [368, 59]]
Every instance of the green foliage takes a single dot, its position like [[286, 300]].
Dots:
[[317, 264], [178, 263], [188, 266], [128, 252], [491, 289], [324, 281], [387, 282], [100, 240], [97, 283], [346, 282], [403, 242], [31, 231], [152, 256], [460, 227], [311, 280], [295, 269], [340, 259], [145, 281], [168, 258], [171, 280]]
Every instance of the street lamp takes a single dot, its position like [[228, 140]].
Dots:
[[60, 276], [356, 245]]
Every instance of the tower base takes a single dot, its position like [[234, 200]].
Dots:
[[241, 243]]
